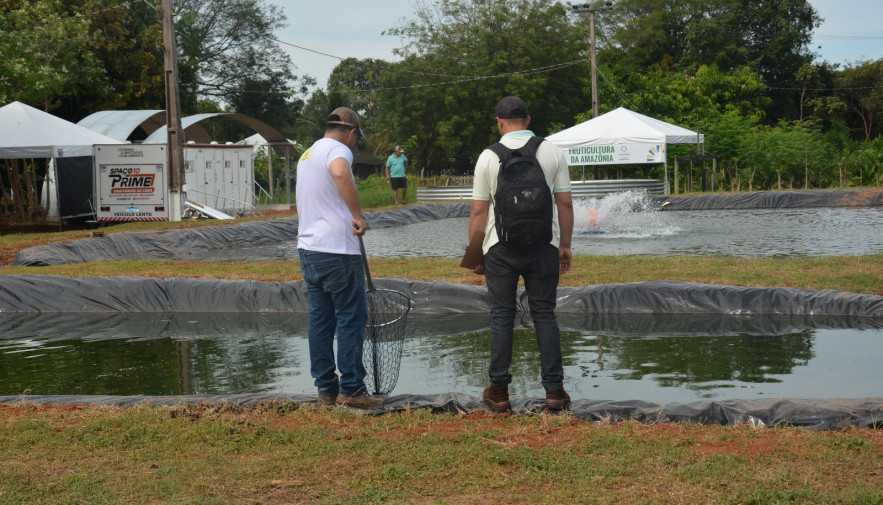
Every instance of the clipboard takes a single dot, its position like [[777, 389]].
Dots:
[[474, 255]]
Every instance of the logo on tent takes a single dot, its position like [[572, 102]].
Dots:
[[655, 152]]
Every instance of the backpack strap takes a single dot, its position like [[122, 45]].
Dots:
[[532, 146], [502, 152], [529, 149]]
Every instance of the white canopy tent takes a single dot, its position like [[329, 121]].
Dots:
[[622, 136], [26, 133]]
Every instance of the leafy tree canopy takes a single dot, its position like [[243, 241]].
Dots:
[[770, 38], [861, 90], [227, 52], [46, 51]]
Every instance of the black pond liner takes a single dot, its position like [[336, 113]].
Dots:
[[49, 294], [773, 200], [817, 414], [30, 294], [182, 243]]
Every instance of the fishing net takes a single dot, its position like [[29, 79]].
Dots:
[[384, 334], [384, 338]]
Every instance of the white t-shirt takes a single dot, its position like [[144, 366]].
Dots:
[[487, 168], [324, 221]]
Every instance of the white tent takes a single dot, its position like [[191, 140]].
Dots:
[[622, 136], [26, 132], [257, 141]]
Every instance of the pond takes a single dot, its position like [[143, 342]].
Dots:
[[657, 358]]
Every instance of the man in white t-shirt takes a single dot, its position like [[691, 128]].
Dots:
[[330, 223], [539, 265]]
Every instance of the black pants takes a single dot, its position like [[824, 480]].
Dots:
[[540, 269]]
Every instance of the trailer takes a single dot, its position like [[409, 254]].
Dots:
[[220, 176], [130, 182]]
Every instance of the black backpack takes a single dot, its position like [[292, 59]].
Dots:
[[523, 200]]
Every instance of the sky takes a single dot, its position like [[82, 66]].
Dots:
[[852, 31]]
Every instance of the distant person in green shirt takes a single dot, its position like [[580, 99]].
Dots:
[[396, 165]]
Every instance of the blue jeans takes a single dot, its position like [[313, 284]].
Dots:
[[336, 287], [540, 269]]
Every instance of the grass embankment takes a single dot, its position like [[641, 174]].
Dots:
[[857, 274], [285, 453]]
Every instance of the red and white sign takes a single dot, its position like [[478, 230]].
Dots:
[[130, 182]]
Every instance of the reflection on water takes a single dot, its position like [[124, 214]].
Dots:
[[655, 358]]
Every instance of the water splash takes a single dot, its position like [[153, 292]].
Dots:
[[630, 214]]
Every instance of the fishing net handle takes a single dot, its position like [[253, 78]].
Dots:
[[365, 264]]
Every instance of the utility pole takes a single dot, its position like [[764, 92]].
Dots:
[[175, 145], [580, 9]]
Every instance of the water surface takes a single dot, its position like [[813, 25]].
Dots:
[[654, 358], [628, 223]]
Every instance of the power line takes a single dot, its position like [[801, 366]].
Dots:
[[611, 85], [720, 83], [461, 78], [308, 49], [849, 37], [539, 70]]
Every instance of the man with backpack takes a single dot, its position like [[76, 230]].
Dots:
[[521, 184]]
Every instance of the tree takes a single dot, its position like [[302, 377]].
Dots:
[[359, 80], [872, 163], [819, 104], [770, 38], [263, 96], [696, 98], [460, 57], [226, 47], [45, 53], [126, 37], [726, 137], [310, 124], [860, 87]]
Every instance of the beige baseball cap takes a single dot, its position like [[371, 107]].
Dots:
[[347, 117]]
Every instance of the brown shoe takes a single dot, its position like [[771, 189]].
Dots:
[[497, 398], [326, 399], [361, 399], [557, 400]]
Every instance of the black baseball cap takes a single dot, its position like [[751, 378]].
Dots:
[[511, 107]]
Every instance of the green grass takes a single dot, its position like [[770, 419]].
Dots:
[[285, 453], [856, 274]]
